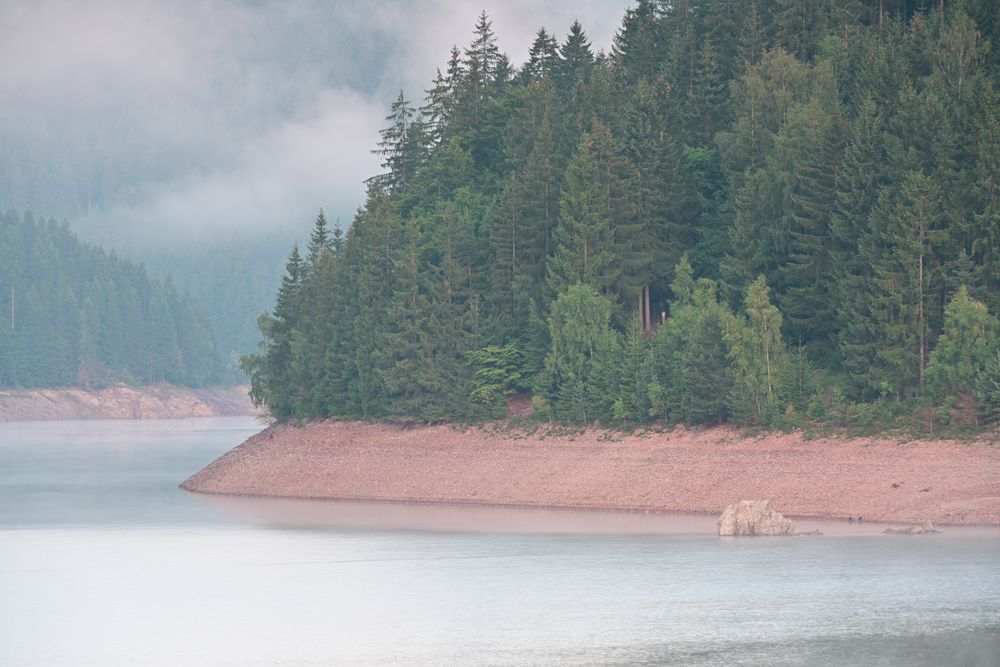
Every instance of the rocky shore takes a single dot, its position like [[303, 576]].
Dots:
[[161, 401], [879, 479]]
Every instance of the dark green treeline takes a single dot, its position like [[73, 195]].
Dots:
[[73, 315], [758, 211]]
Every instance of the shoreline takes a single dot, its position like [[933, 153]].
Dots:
[[121, 401], [583, 509], [683, 471], [330, 512]]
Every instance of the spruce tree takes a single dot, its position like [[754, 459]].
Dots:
[[971, 335], [583, 237], [543, 58], [576, 379]]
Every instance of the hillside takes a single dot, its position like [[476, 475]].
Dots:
[[72, 314], [761, 212]]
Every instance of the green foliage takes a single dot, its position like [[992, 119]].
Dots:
[[987, 390], [758, 357], [690, 372], [801, 188], [496, 374], [964, 349], [584, 241], [73, 315], [576, 380]]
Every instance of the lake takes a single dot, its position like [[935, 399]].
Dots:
[[104, 561]]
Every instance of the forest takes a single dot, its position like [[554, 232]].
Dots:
[[72, 314], [767, 212]]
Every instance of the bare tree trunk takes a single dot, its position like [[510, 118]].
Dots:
[[649, 315], [920, 304]]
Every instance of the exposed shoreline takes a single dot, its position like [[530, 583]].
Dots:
[[690, 471], [159, 401]]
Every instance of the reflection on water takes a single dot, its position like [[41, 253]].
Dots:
[[103, 561], [305, 513]]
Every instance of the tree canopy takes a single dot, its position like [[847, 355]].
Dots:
[[755, 211]]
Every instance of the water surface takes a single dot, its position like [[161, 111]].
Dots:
[[103, 561]]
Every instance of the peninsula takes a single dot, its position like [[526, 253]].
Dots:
[[683, 470]]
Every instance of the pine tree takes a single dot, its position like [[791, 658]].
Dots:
[[271, 381], [482, 67], [583, 237], [406, 358], [401, 147], [637, 43], [631, 402], [799, 24], [576, 59], [690, 374], [651, 235], [885, 346], [857, 189], [806, 275], [575, 380], [986, 247], [320, 242], [543, 58], [971, 335], [708, 98]]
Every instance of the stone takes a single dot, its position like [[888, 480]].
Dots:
[[753, 517], [916, 529]]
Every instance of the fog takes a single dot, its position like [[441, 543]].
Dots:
[[196, 120]]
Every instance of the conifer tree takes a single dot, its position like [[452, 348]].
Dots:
[[690, 375], [807, 273], [885, 346], [543, 58], [401, 147], [575, 379], [320, 242], [583, 237], [964, 349], [576, 59], [637, 43]]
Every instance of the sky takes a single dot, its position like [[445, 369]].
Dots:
[[180, 120]]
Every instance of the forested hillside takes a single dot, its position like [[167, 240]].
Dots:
[[72, 314], [234, 278], [762, 211]]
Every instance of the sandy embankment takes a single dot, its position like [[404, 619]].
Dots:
[[682, 470], [161, 401]]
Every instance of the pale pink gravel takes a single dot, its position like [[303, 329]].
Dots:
[[880, 479]]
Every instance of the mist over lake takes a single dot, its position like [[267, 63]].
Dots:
[[598, 333], [103, 561]]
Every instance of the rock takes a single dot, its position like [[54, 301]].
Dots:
[[916, 529], [753, 517]]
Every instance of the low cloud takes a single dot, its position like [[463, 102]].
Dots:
[[174, 120]]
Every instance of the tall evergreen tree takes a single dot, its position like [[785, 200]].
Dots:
[[583, 238]]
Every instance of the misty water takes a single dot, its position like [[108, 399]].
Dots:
[[104, 561]]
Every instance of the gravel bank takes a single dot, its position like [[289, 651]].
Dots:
[[683, 470], [160, 401]]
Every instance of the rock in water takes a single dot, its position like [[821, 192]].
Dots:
[[917, 529], [754, 517]]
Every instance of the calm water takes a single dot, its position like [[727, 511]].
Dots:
[[103, 561]]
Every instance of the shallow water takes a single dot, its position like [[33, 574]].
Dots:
[[103, 561]]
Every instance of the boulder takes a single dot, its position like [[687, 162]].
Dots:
[[915, 529], [754, 517]]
